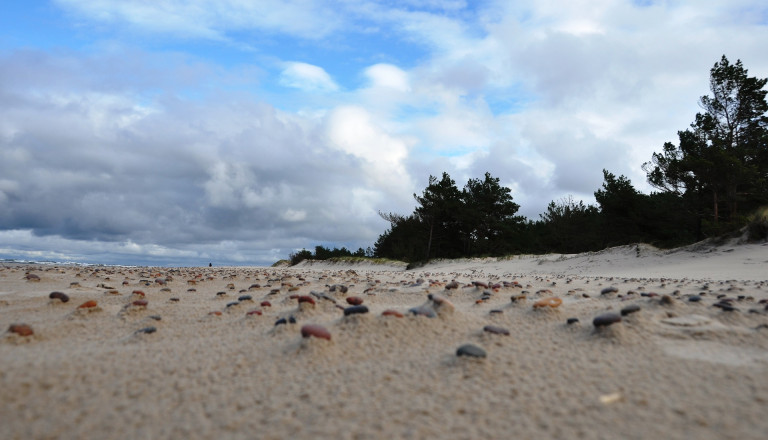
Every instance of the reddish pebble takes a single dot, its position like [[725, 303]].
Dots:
[[294, 296], [253, 312], [266, 304], [88, 304], [140, 303], [21, 329], [138, 292], [391, 312], [315, 330], [306, 299], [354, 300], [215, 313]]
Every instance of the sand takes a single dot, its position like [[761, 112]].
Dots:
[[674, 369]]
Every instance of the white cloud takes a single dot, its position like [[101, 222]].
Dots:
[[388, 76], [307, 77]]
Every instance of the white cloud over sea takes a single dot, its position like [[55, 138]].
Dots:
[[174, 132]]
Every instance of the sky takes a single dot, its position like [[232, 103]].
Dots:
[[235, 132]]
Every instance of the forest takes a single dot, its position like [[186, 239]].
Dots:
[[712, 182]]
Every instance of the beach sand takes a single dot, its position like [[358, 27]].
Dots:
[[689, 358]]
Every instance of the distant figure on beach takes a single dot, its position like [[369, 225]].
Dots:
[[210, 264]]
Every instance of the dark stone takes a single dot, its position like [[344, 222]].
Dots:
[[281, 321], [354, 310], [630, 309], [694, 298], [174, 299], [147, 330], [245, 298], [606, 319], [221, 293], [725, 306], [61, 296], [496, 311], [572, 321], [291, 320], [608, 290], [496, 330], [232, 304], [423, 311], [470, 351], [155, 317]]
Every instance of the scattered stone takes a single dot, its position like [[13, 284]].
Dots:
[[628, 310], [254, 312], [21, 329], [354, 300], [232, 304], [423, 310], [61, 296], [306, 299], [496, 311], [572, 321], [553, 302], [174, 299], [390, 312], [88, 304], [315, 330], [725, 306], [147, 330], [245, 298], [694, 298], [606, 319], [138, 292], [281, 321], [470, 350], [155, 317], [496, 330], [266, 304], [355, 310], [140, 303], [607, 290], [452, 285], [32, 277], [221, 293]]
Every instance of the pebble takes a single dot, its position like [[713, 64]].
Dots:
[[628, 310], [315, 330], [140, 303], [452, 285], [354, 300], [88, 304], [694, 298], [138, 292], [354, 310], [254, 312], [245, 298], [572, 321], [390, 312], [423, 311], [553, 302], [147, 330], [32, 277], [21, 329], [496, 330], [470, 350], [306, 299], [606, 319], [608, 290], [266, 304], [61, 296], [725, 306], [232, 304]]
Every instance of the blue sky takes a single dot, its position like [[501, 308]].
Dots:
[[180, 132]]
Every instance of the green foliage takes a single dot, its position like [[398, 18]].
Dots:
[[720, 166], [757, 227]]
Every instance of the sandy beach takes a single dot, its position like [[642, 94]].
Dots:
[[631, 343]]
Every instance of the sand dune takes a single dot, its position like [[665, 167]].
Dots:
[[199, 359]]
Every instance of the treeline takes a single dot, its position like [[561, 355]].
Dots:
[[714, 181], [324, 253]]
